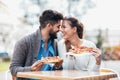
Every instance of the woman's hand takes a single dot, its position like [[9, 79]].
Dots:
[[97, 54], [37, 66], [58, 64], [70, 56]]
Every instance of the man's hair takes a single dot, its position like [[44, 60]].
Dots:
[[49, 16]]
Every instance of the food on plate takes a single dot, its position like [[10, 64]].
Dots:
[[52, 59], [82, 49]]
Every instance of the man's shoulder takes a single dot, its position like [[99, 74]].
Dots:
[[28, 37]]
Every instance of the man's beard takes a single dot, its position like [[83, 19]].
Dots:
[[53, 35]]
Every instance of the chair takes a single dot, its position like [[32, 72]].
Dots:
[[105, 70], [110, 70]]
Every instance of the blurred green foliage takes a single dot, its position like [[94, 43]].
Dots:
[[4, 65]]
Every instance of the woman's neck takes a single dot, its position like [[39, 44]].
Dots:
[[75, 41]]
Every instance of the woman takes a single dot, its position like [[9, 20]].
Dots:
[[73, 31]]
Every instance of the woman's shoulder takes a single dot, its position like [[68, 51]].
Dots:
[[61, 41], [88, 43]]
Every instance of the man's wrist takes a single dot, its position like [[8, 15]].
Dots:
[[31, 69]]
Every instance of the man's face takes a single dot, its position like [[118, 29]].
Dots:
[[54, 30]]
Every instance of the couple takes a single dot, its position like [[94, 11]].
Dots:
[[29, 50]]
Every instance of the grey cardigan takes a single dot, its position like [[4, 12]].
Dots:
[[25, 53]]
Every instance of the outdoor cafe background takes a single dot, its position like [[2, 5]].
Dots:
[[100, 17]]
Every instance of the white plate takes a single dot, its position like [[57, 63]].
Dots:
[[81, 54]]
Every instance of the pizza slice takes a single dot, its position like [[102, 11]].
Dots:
[[52, 59], [82, 49]]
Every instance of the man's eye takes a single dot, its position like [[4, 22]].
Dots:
[[58, 26]]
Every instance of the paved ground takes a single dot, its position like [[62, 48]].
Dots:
[[2, 75], [5, 75], [114, 65]]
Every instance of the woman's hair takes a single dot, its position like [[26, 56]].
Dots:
[[49, 16], [75, 23], [80, 29]]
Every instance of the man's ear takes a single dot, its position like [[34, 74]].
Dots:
[[48, 25]]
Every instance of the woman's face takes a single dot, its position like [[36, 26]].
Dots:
[[67, 30]]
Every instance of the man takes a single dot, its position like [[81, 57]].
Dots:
[[29, 51]]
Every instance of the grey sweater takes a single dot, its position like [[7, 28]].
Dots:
[[25, 52]]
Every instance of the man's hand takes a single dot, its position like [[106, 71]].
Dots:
[[37, 66]]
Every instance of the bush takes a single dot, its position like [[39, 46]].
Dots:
[[111, 53]]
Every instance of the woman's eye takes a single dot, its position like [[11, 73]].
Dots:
[[64, 27]]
